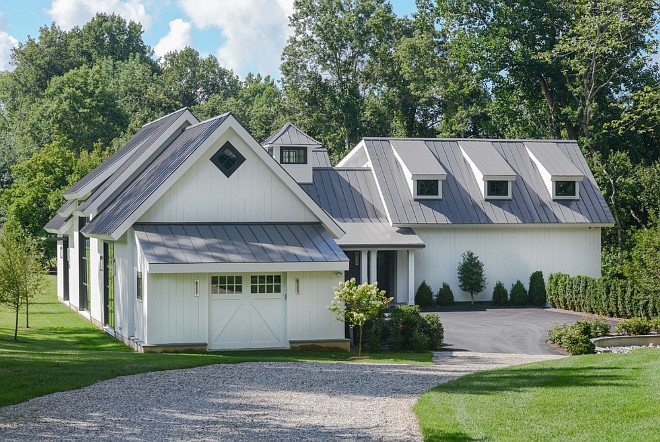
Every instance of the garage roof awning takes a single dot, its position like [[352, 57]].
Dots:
[[376, 235], [239, 247]]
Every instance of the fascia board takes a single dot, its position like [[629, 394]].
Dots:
[[236, 267]]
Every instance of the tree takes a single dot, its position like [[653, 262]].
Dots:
[[358, 304], [537, 294], [644, 266], [471, 274], [21, 273]]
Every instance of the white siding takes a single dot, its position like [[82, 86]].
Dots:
[[74, 262], [175, 315], [308, 316], [60, 269], [253, 193], [95, 280], [125, 285], [508, 254]]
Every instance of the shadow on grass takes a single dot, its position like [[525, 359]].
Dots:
[[516, 380], [439, 435]]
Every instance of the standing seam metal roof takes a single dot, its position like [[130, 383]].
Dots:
[[237, 243], [145, 183], [290, 135], [462, 201], [125, 151]]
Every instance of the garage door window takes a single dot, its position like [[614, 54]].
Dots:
[[266, 283], [226, 285]]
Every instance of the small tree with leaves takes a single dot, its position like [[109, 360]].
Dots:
[[471, 274], [21, 272], [357, 304]]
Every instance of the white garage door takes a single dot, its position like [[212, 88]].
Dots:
[[246, 311]]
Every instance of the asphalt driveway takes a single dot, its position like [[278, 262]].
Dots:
[[505, 330]]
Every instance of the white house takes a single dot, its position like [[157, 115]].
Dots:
[[193, 235]]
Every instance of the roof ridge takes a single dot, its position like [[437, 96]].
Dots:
[[165, 116], [225, 115], [517, 140]]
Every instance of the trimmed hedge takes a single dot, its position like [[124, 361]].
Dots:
[[603, 296]]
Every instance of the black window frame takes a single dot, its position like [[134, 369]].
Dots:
[[296, 149], [139, 285], [563, 194], [435, 188], [217, 159], [497, 195]]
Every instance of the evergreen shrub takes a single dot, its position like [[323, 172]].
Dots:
[[500, 295], [445, 297]]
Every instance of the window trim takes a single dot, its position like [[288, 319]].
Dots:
[[139, 286], [497, 197], [436, 196], [296, 149], [575, 196], [237, 282], [215, 159]]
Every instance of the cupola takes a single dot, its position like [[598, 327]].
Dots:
[[294, 150]]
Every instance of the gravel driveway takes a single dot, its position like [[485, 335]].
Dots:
[[273, 400]]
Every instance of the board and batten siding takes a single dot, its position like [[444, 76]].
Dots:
[[125, 251], [175, 314], [508, 254], [307, 315], [95, 279], [253, 193]]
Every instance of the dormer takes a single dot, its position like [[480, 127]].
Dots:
[[494, 175], [561, 177], [422, 170], [294, 150]]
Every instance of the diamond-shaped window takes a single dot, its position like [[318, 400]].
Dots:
[[227, 159]]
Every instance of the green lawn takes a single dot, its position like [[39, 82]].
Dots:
[[592, 397], [62, 351]]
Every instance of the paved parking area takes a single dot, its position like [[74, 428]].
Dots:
[[505, 330]]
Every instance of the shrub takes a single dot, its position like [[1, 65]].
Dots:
[[557, 332], [500, 295], [408, 329], [374, 334], [599, 327], [518, 294], [424, 295], [537, 293], [655, 323], [634, 326], [445, 296], [576, 342]]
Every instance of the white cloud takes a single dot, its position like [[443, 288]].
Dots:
[[254, 31], [178, 37], [70, 13], [7, 42]]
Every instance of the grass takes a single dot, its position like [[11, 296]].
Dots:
[[62, 351], [591, 397]]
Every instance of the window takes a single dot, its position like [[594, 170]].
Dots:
[[266, 284], [293, 155], [227, 159], [565, 189], [138, 290], [497, 189], [427, 188], [226, 285]]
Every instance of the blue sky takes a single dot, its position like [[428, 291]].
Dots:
[[245, 35]]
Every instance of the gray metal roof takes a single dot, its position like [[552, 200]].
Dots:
[[417, 158], [290, 135], [56, 223], [487, 159], [125, 151], [378, 235], [134, 155], [146, 182], [236, 243], [553, 159], [65, 206], [320, 158], [462, 201]]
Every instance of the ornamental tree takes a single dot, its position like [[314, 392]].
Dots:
[[471, 274], [357, 304]]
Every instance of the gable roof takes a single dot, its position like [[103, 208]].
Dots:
[[148, 184], [93, 179], [290, 135], [145, 183], [462, 201]]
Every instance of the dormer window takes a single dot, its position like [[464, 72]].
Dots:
[[293, 155], [427, 189], [498, 189], [565, 190]]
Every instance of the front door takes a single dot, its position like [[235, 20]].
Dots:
[[353, 267], [108, 285], [386, 271], [247, 311]]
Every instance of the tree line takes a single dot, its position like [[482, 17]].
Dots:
[[574, 69]]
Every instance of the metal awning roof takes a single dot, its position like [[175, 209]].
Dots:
[[376, 235], [173, 248]]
